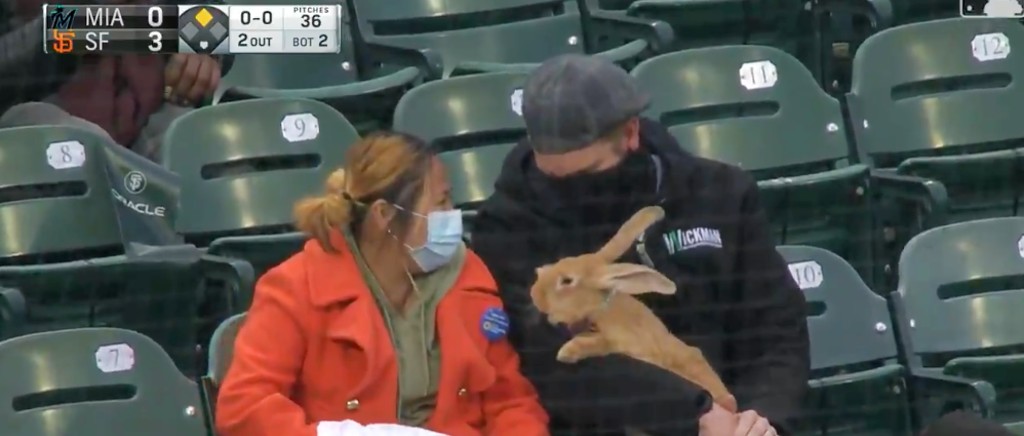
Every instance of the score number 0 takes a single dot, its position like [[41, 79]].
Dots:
[[155, 17]]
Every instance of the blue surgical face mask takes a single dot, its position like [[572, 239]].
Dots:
[[444, 236]]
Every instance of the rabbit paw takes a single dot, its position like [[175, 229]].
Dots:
[[570, 353]]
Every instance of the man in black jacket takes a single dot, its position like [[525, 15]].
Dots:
[[588, 164]]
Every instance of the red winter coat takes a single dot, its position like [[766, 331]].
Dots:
[[314, 347]]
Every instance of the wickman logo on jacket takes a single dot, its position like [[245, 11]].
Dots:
[[678, 240]]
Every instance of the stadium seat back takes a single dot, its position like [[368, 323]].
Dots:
[[979, 185], [915, 11], [243, 163], [293, 71], [475, 36], [473, 120], [95, 381], [963, 286], [696, 24], [938, 88], [378, 12], [165, 296], [222, 347], [852, 347], [848, 323], [55, 195], [263, 252], [730, 103]]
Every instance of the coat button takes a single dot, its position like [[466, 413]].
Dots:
[[463, 392], [352, 404]]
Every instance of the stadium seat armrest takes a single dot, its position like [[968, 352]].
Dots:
[[879, 12], [929, 196], [239, 276], [428, 61], [856, 377], [979, 395], [208, 396], [13, 312], [658, 34]]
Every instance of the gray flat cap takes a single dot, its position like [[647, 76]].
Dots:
[[570, 101]]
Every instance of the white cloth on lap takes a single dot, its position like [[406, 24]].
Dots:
[[349, 427]]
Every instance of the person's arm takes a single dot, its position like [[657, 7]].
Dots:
[[267, 359], [511, 404], [610, 392], [770, 347]]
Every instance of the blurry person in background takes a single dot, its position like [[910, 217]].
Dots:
[[131, 98], [384, 318]]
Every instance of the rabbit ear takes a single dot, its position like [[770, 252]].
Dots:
[[630, 231], [633, 279]]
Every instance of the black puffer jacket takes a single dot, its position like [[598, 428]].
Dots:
[[736, 299]]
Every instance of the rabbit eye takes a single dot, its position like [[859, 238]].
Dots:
[[566, 281]]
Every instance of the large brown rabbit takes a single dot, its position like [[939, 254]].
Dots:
[[594, 296]]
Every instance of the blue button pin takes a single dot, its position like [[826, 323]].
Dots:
[[494, 324]]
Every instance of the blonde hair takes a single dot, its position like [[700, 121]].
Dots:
[[383, 166]]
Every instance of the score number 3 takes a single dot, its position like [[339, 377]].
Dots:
[[155, 18]]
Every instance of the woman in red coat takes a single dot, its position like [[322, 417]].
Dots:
[[385, 317]]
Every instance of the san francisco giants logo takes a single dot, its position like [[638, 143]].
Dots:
[[63, 41], [135, 182]]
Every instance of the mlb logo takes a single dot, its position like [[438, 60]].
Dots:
[[992, 8]]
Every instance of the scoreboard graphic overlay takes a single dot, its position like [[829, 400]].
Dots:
[[207, 29], [992, 8]]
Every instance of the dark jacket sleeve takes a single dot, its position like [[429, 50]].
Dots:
[[609, 393], [770, 348]]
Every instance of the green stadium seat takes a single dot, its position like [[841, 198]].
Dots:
[[915, 11], [923, 118], [473, 122], [936, 100], [707, 23], [244, 164], [324, 77], [63, 210], [222, 347], [960, 292], [161, 296], [13, 312], [859, 385], [63, 258], [730, 103], [94, 382], [498, 35], [262, 251]]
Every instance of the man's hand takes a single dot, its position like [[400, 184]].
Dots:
[[718, 422], [752, 424], [189, 78]]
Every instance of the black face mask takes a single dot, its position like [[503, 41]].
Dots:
[[612, 194]]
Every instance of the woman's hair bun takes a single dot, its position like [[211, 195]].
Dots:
[[317, 216]]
